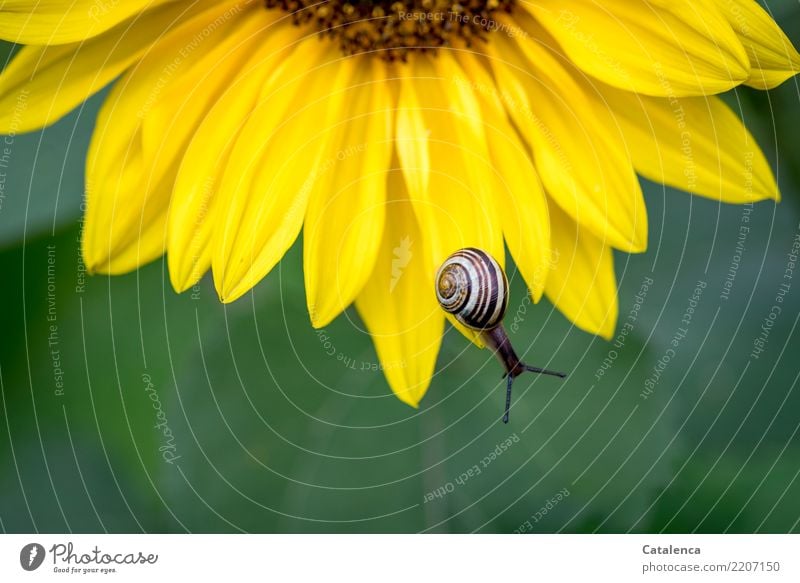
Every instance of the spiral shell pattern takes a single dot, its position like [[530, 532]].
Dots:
[[471, 285]]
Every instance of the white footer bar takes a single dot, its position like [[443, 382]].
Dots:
[[401, 558]]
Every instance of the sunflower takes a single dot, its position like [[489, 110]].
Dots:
[[393, 133]]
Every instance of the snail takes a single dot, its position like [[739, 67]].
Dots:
[[472, 287]]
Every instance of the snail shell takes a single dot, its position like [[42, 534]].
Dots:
[[472, 286]]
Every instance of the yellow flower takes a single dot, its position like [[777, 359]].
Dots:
[[393, 133]]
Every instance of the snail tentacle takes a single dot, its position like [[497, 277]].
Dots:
[[508, 398]]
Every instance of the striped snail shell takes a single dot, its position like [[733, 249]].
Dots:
[[472, 286]]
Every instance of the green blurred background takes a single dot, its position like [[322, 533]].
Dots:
[[272, 432]]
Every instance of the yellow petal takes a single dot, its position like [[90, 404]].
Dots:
[[582, 284], [51, 22], [398, 303], [656, 47], [772, 57], [42, 84], [412, 139], [584, 165], [414, 153], [128, 184], [696, 144], [274, 164], [457, 209], [174, 108], [194, 208], [519, 196], [346, 211]]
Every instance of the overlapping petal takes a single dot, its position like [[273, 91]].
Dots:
[[518, 193], [773, 59], [274, 166], [52, 22], [585, 167], [44, 83], [454, 204], [195, 207], [403, 318], [581, 283], [696, 144], [654, 47], [130, 178], [346, 212]]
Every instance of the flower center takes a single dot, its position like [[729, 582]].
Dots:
[[392, 28]]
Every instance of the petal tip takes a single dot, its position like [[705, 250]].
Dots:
[[182, 279], [409, 397], [228, 295], [91, 266], [607, 330], [96, 264], [638, 243], [180, 285], [320, 318]]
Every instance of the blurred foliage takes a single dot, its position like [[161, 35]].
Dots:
[[281, 428]]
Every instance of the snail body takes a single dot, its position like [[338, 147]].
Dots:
[[472, 286]]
